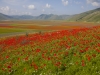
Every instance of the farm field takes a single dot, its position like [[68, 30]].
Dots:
[[70, 48], [9, 30], [23, 27]]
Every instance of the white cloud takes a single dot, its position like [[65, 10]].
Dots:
[[76, 2], [5, 8], [8, 11], [31, 7], [48, 6], [82, 7], [65, 2], [94, 2], [43, 10], [24, 6]]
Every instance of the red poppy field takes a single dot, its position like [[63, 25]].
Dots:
[[62, 52]]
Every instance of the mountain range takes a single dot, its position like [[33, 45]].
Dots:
[[29, 17], [89, 16]]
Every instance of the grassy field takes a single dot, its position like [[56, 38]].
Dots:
[[22, 26], [16, 28], [63, 52], [10, 30], [7, 32]]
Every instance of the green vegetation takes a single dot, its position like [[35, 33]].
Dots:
[[75, 52], [90, 16], [9, 30]]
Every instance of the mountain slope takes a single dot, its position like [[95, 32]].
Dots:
[[89, 16], [4, 17], [29, 17], [51, 17], [23, 17]]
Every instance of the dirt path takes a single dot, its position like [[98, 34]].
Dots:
[[20, 33], [15, 34]]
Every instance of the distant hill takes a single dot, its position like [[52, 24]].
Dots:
[[23, 17], [29, 17], [15, 17], [4, 17], [41, 17], [52, 17], [89, 16]]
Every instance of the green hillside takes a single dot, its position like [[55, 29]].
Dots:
[[89, 16], [52, 17]]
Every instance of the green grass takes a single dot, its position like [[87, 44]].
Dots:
[[14, 31], [10, 30]]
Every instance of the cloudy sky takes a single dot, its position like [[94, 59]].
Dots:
[[37, 7]]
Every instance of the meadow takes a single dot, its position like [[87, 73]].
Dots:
[[13, 28], [61, 48], [44, 25]]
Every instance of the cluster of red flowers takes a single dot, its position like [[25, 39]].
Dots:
[[57, 48]]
